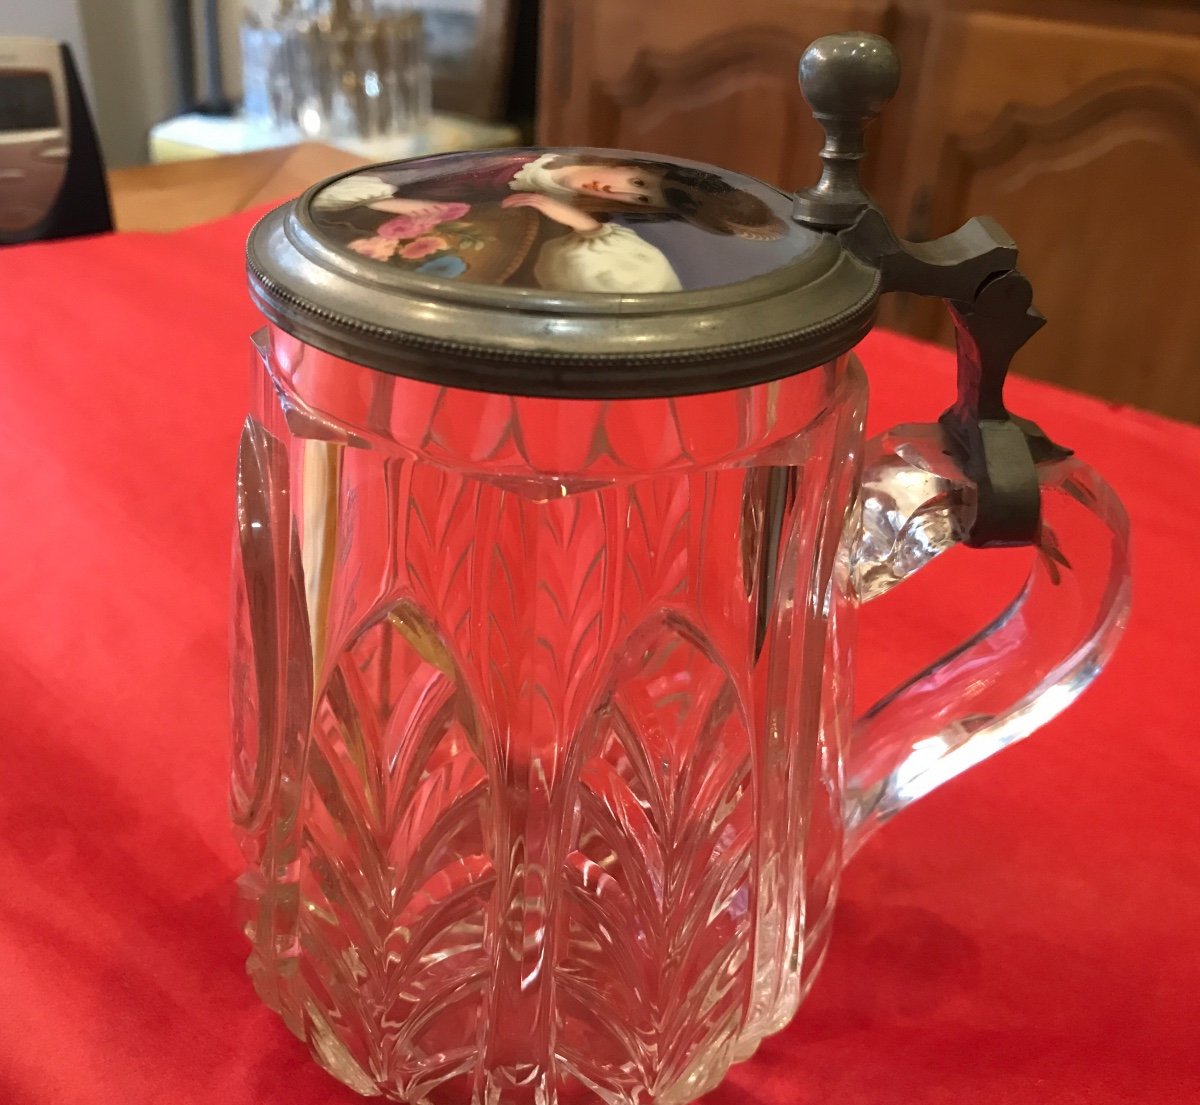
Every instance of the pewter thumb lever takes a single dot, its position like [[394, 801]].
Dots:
[[847, 80]]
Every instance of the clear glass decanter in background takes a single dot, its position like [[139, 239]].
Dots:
[[335, 69]]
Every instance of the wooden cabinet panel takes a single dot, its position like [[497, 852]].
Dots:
[[1084, 142], [1076, 123], [710, 81]]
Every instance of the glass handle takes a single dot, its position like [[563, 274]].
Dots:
[[1014, 675]]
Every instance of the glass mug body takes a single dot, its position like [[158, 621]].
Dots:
[[539, 714]]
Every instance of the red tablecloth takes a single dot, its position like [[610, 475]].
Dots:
[[1030, 933]]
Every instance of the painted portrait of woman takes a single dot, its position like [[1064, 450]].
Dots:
[[556, 221]]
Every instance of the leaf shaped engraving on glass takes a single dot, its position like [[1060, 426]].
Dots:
[[395, 873], [660, 903], [541, 633], [437, 536], [656, 561]]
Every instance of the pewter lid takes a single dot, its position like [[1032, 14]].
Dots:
[[592, 273], [566, 272]]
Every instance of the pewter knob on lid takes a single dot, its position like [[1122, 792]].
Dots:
[[846, 79]]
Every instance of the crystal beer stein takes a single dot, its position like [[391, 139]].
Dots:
[[554, 515]]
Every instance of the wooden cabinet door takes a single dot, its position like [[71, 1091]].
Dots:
[[1084, 141], [701, 79]]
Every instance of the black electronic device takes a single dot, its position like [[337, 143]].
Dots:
[[52, 182]]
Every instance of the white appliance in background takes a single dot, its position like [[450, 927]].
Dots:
[[52, 182], [56, 19], [34, 132]]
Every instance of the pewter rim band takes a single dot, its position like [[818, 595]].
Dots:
[[581, 345]]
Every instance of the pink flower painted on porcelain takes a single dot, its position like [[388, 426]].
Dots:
[[420, 219], [378, 249], [423, 247]]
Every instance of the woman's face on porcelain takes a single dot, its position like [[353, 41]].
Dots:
[[625, 184]]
